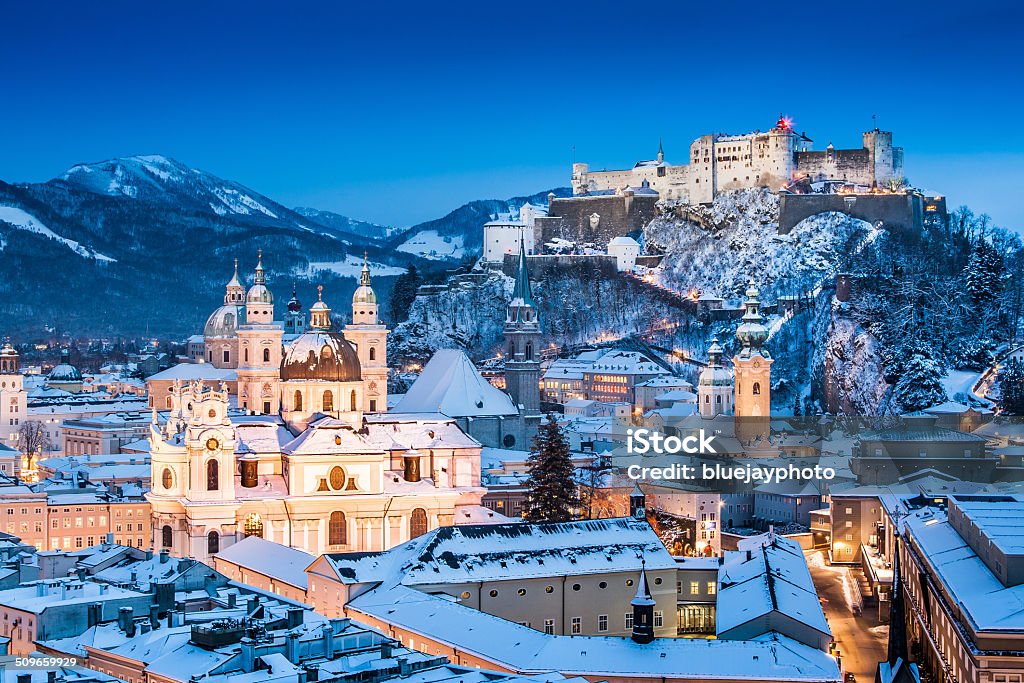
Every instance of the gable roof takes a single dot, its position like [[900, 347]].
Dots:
[[451, 385]]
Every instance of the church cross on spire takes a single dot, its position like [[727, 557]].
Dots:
[[364, 277]]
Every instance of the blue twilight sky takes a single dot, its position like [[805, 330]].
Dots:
[[398, 112]]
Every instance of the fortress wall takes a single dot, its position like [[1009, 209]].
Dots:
[[895, 211]]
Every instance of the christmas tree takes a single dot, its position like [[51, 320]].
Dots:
[[1011, 387], [552, 493]]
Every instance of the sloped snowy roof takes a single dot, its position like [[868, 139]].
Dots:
[[270, 559], [775, 578], [451, 385], [194, 371]]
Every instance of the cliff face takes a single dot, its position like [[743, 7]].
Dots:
[[848, 368]]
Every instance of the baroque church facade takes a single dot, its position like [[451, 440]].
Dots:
[[309, 457]]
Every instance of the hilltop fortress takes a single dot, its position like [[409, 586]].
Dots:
[[772, 159]]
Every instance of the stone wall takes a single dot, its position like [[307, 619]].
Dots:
[[897, 212], [573, 218]]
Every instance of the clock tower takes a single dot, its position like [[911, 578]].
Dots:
[[752, 366]]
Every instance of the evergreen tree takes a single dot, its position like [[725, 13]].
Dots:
[[920, 384], [551, 486], [403, 294], [1011, 387], [984, 274]]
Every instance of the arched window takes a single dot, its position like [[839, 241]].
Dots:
[[297, 403], [212, 543], [529, 350], [266, 355], [352, 400], [337, 533], [718, 399], [373, 353], [212, 475], [166, 537], [417, 523], [328, 402], [757, 388], [707, 398], [253, 525], [168, 478]]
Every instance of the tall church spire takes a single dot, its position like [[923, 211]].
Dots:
[[522, 288], [643, 610], [661, 151], [234, 292]]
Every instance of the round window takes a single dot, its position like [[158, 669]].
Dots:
[[549, 589], [167, 478], [576, 586], [521, 592], [465, 595], [603, 584], [629, 582], [657, 581], [493, 594]]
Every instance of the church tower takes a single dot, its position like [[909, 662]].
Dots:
[[13, 401], [522, 340], [234, 292], [294, 319], [259, 349], [370, 337], [715, 384], [643, 611], [752, 365]]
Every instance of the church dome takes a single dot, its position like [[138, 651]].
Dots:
[[321, 355], [259, 294], [364, 295], [65, 371], [224, 321], [294, 305]]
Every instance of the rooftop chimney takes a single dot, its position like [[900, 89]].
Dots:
[[295, 617], [154, 616], [165, 554], [126, 621]]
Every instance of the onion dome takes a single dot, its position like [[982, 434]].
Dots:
[[259, 293], [752, 333], [65, 371], [364, 293], [321, 355], [294, 305], [715, 374]]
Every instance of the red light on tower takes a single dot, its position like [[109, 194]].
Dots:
[[784, 123]]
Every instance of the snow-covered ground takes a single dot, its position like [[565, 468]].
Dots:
[[23, 220], [351, 267], [431, 245], [957, 382]]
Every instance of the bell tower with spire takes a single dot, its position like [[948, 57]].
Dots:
[[259, 349], [522, 342], [643, 610], [370, 337], [753, 364]]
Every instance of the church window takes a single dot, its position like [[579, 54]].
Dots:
[[373, 405], [297, 402], [212, 475], [757, 388], [718, 399], [167, 478], [352, 401], [373, 353], [253, 525], [707, 399], [529, 350], [351, 485], [336, 531], [266, 407], [337, 478], [166, 536], [210, 354], [266, 355], [322, 486], [417, 523], [212, 413], [246, 354], [212, 543], [328, 401], [511, 349], [227, 356]]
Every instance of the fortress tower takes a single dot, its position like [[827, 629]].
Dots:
[[13, 400], [522, 340]]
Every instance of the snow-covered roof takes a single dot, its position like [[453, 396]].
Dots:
[[623, 241], [270, 559], [451, 385], [767, 575], [195, 371], [628, 363]]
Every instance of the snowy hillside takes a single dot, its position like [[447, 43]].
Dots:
[[12, 217], [429, 244], [738, 239]]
